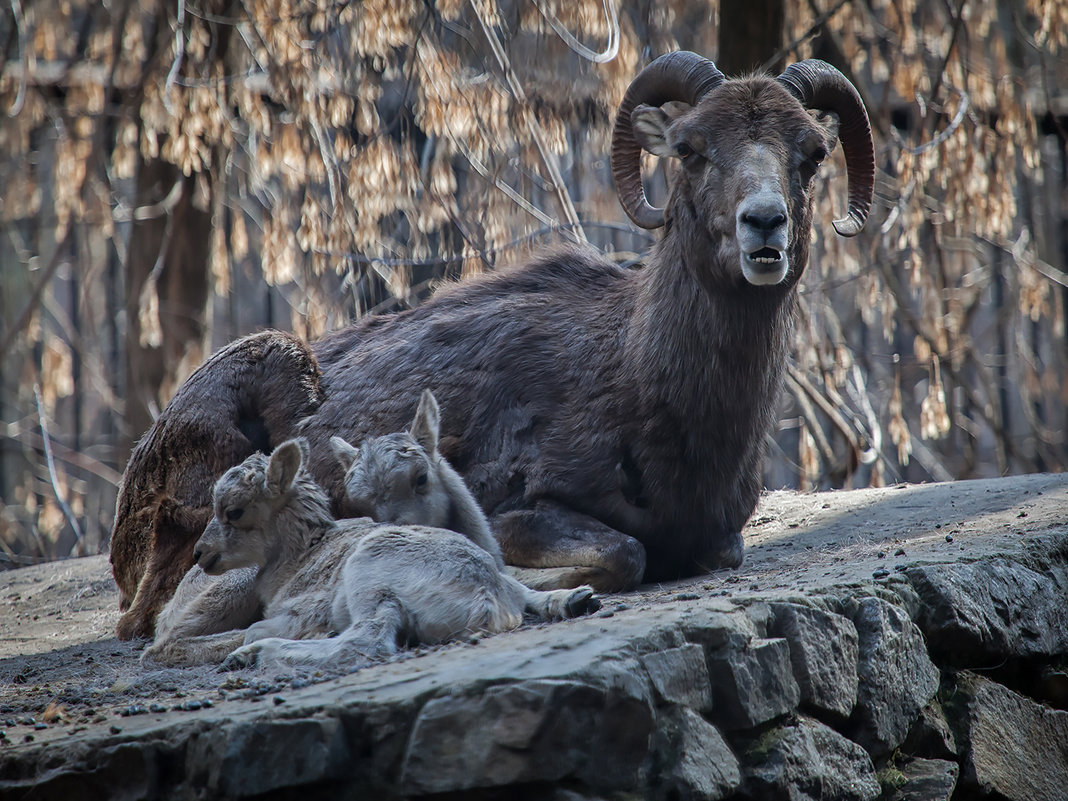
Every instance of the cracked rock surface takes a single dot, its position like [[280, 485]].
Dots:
[[899, 643]]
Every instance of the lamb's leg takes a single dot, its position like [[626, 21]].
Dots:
[[206, 619], [199, 650], [370, 640], [283, 626], [557, 604], [555, 547]]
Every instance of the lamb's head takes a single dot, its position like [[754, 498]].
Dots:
[[247, 499], [394, 477], [749, 149]]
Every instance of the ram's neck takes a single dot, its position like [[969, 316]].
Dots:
[[710, 350]]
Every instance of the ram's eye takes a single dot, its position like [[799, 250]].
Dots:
[[818, 155], [420, 480], [683, 150], [233, 515]]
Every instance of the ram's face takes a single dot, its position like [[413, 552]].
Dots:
[[747, 154], [236, 536]]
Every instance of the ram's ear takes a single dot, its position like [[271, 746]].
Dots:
[[345, 453], [650, 125], [427, 424], [828, 120], [284, 464]]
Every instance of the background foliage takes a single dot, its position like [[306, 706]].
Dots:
[[176, 174]]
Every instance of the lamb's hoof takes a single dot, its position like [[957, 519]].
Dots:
[[582, 602], [240, 659]]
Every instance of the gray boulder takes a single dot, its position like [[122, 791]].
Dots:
[[808, 761], [1014, 746], [695, 761], [532, 731], [823, 652], [752, 685], [680, 676], [972, 613], [897, 677], [926, 780]]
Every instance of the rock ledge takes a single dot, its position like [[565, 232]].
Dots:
[[850, 658]]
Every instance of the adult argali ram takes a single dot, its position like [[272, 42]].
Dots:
[[610, 421]]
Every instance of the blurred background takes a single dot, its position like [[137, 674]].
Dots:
[[176, 174]]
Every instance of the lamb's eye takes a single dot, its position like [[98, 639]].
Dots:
[[233, 515], [420, 480]]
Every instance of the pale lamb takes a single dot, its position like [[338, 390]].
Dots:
[[402, 478], [380, 585]]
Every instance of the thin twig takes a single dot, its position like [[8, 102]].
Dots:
[[611, 47], [61, 452], [958, 22], [35, 297], [24, 57], [179, 54], [819, 22], [532, 124], [808, 411], [24, 561], [46, 441], [944, 134]]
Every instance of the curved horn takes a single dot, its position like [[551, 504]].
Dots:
[[818, 85], [681, 76]]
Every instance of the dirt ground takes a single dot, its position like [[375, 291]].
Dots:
[[62, 670]]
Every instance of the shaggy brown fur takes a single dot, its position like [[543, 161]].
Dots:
[[232, 406], [609, 421]]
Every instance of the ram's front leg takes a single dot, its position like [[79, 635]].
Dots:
[[554, 547]]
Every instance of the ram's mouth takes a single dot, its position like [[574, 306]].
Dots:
[[765, 266], [766, 256], [209, 563]]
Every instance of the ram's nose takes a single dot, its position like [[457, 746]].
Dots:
[[763, 217], [764, 220]]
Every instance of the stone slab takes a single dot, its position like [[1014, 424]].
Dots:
[[82, 720]]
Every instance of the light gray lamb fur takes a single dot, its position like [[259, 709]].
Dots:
[[273, 551], [402, 478]]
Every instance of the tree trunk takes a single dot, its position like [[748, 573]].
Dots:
[[173, 249], [751, 33]]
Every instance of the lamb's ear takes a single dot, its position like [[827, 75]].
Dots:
[[345, 453], [284, 464], [426, 426]]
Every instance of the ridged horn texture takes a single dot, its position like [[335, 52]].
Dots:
[[681, 76], [818, 85]]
